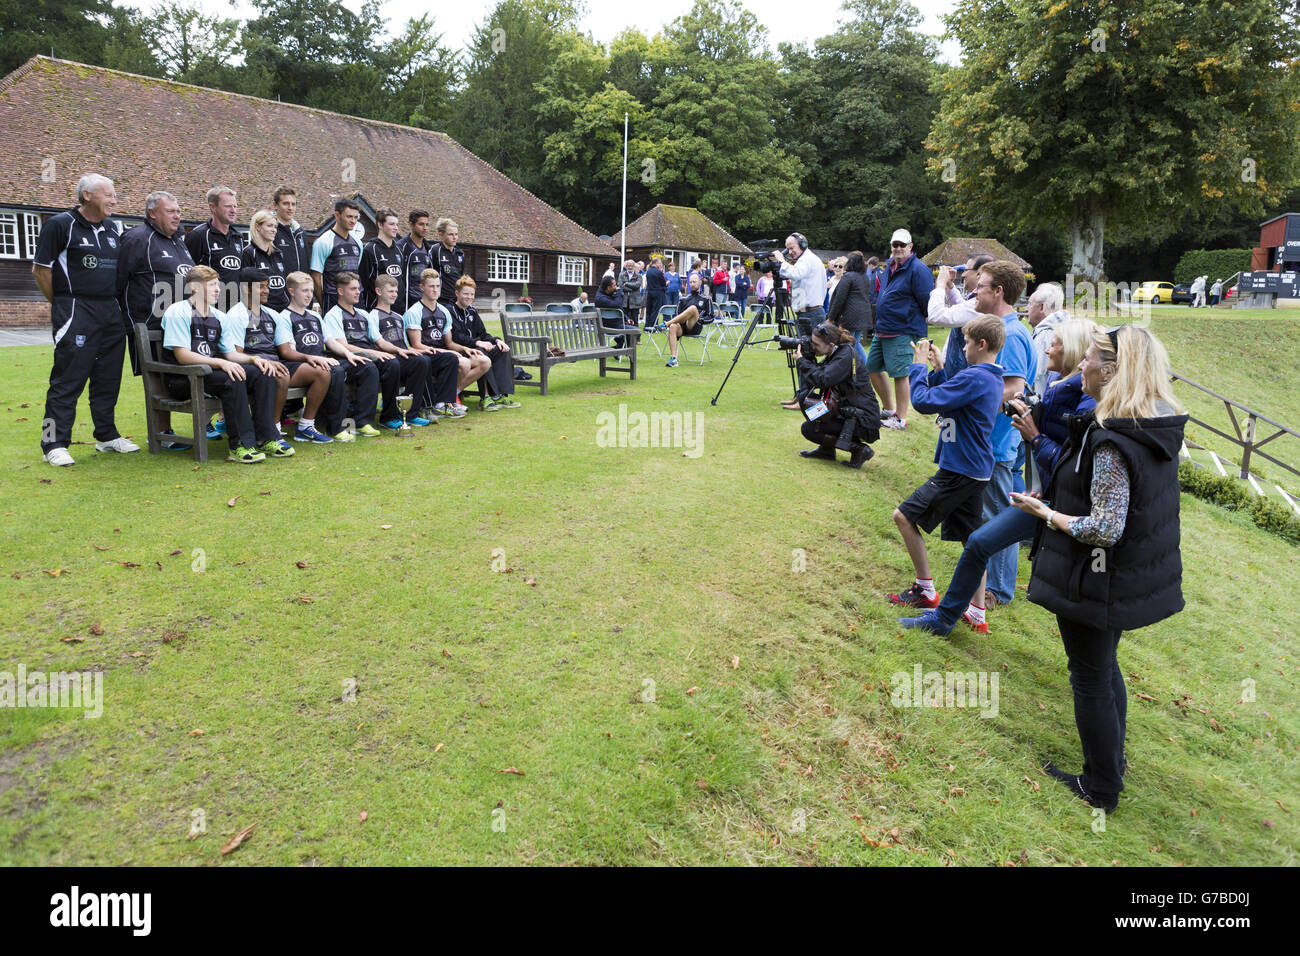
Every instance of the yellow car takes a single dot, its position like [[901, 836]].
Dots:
[[1154, 292]]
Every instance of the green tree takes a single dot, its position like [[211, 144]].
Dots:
[[304, 45], [860, 105], [82, 30], [1117, 118]]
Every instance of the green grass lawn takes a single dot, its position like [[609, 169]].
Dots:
[[671, 687]]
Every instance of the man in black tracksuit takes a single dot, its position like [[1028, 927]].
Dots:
[[380, 256], [448, 259], [289, 236], [76, 270], [416, 255], [218, 245]]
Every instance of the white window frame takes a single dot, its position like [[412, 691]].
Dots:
[[31, 232], [10, 235], [674, 258], [566, 264], [498, 257]]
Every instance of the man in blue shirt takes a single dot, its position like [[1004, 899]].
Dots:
[[900, 323], [334, 252], [999, 285], [344, 328]]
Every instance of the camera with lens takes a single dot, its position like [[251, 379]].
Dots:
[[770, 261], [803, 343], [1030, 399]]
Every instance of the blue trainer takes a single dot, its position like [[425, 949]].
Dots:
[[216, 429], [929, 621], [309, 433], [418, 422], [393, 423]]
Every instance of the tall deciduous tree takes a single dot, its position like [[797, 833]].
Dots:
[[1118, 118]]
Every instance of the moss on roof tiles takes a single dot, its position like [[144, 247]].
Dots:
[[680, 226]]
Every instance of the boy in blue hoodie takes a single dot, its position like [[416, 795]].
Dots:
[[967, 404]]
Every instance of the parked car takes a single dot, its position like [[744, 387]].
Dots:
[[1182, 293], [1154, 292]]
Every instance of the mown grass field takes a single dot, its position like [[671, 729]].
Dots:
[[670, 687]]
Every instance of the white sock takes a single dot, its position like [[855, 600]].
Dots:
[[927, 586], [975, 613], [306, 422]]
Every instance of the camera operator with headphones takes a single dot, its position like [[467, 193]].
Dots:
[[846, 416], [807, 275]]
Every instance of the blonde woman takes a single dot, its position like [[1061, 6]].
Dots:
[[1108, 559], [262, 254]]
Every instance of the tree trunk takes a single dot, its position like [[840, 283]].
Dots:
[[1087, 232]]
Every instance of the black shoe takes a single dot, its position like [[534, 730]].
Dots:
[[1074, 783], [860, 454], [821, 451]]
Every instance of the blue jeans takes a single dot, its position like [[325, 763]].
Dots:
[[807, 321], [862, 353], [1010, 527], [671, 298], [1002, 564], [1018, 470]]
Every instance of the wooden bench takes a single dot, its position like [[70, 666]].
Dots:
[[579, 335], [157, 399]]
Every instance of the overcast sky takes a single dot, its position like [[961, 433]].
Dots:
[[790, 20]]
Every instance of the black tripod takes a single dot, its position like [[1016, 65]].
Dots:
[[787, 328]]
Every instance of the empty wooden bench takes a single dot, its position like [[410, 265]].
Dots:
[[157, 399], [533, 338]]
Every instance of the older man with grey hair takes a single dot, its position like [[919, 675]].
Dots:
[[76, 270], [1046, 312]]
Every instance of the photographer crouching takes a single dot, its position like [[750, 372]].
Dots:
[[844, 415]]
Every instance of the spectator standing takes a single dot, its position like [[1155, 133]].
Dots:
[[672, 286], [740, 286], [1045, 315], [901, 311], [656, 289]]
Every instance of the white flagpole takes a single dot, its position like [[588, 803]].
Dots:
[[623, 233]]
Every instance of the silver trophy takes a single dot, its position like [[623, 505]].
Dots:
[[404, 403]]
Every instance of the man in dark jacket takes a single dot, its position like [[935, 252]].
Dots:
[[656, 287], [851, 302], [289, 236], [900, 323]]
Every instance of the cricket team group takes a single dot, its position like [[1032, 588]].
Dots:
[[352, 325]]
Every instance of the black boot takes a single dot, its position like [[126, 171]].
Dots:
[[821, 451], [860, 454]]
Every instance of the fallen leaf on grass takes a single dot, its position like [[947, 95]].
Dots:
[[437, 748], [384, 527], [702, 783], [304, 599], [159, 563], [303, 565], [1215, 724], [735, 662], [53, 573], [446, 653], [170, 636], [1141, 696], [173, 554], [47, 481], [515, 770], [72, 639], [1033, 785], [99, 547], [1267, 823], [96, 629], [196, 732], [237, 839], [17, 575], [690, 691], [231, 502], [263, 492], [531, 582], [139, 654], [364, 816]]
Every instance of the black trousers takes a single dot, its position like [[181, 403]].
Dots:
[[91, 344], [444, 373], [826, 431], [365, 376], [653, 302], [249, 406], [500, 378], [331, 410], [410, 371], [1100, 703]]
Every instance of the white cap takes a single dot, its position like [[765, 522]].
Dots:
[[901, 235]]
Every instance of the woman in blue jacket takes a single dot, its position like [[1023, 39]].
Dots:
[[673, 286], [1045, 429]]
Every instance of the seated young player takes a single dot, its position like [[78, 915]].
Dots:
[[429, 329], [694, 311], [344, 325], [469, 331], [953, 496], [244, 337], [192, 331], [410, 367], [307, 346]]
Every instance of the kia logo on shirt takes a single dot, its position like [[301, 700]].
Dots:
[[204, 348], [183, 268], [230, 262], [275, 282], [394, 269], [311, 338]]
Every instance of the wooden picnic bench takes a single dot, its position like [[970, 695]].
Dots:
[[544, 340], [157, 399]]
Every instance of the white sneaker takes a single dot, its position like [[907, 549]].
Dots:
[[122, 445], [897, 423], [59, 456]]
